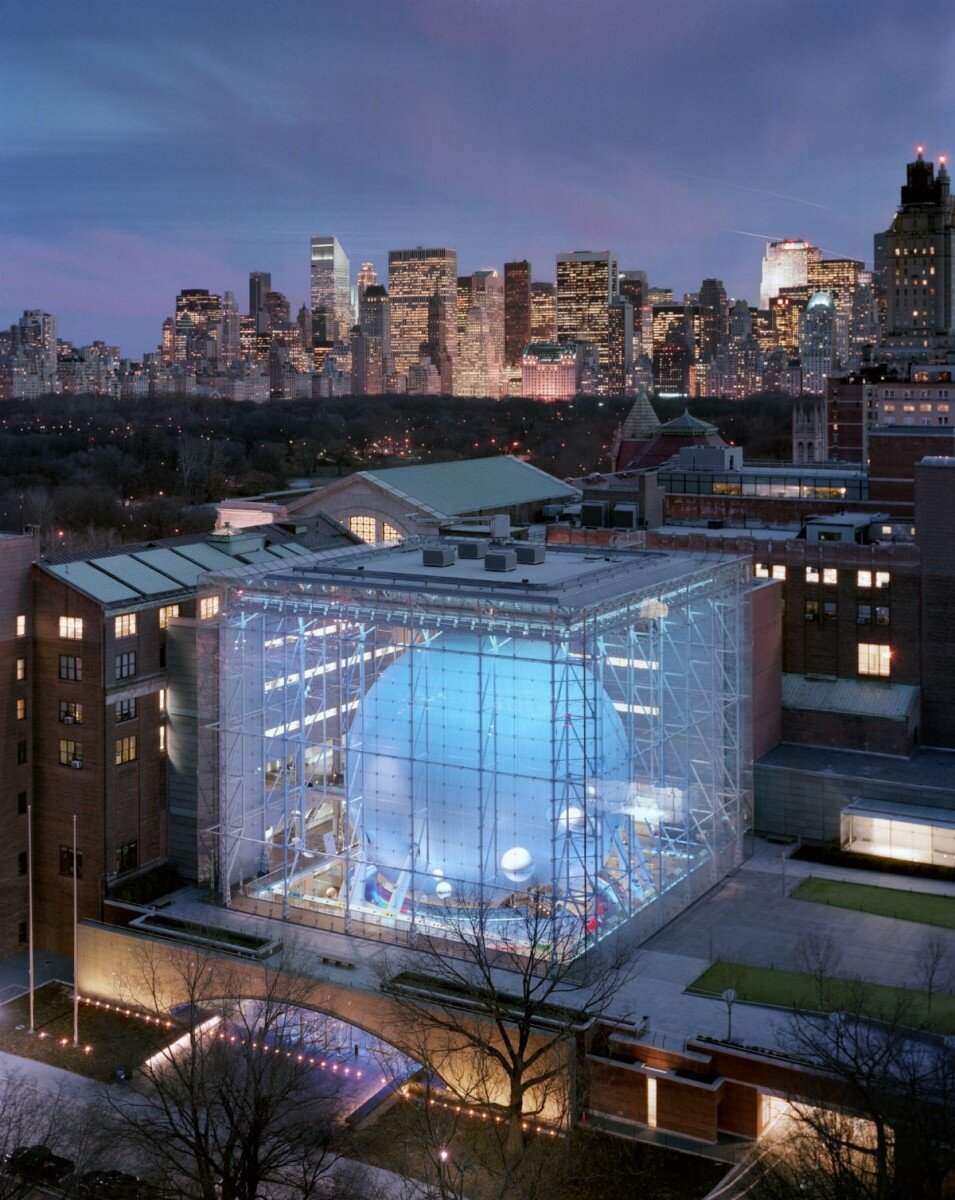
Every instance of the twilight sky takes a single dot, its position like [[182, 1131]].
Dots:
[[148, 145]]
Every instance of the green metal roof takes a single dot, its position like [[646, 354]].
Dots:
[[475, 485], [686, 424], [856, 697]]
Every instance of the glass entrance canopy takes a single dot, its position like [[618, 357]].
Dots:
[[398, 743]]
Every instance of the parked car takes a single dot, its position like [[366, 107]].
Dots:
[[114, 1185], [40, 1164]]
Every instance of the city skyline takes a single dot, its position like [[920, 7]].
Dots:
[[136, 165]]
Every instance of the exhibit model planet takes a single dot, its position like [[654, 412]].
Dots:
[[487, 767]]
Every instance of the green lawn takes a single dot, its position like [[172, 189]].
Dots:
[[881, 901], [790, 989]]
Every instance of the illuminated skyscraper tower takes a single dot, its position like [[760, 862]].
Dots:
[[543, 312], [517, 310], [331, 279], [785, 264], [586, 283], [915, 264], [423, 289]]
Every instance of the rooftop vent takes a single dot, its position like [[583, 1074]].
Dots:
[[530, 555], [500, 560], [439, 556], [473, 548]]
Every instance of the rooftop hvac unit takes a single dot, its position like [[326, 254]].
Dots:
[[76, 763], [500, 560], [475, 548], [530, 555], [593, 514], [501, 525], [625, 516], [438, 556]]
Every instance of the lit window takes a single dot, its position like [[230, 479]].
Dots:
[[208, 607], [162, 739], [389, 533], [126, 665], [125, 750], [812, 574], [167, 614], [162, 700], [21, 626], [779, 572], [874, 659], [864, 579], [21, 710], [830, 575], [882, 579], [71, 713], [125, 625], [126, 710], [71, 754], [71, 627], [760, 570], [886, 530], [364, 527], [21, 668]]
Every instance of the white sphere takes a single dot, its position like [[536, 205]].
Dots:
[[443, 890], [517, 864], [572, 818]]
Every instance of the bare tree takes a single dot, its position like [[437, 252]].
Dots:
[[875, 1120], [933, 968], [818, 956], [500, 1010], [231, 1110]]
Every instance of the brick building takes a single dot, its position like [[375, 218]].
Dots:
[[85, 729], [17, 552]]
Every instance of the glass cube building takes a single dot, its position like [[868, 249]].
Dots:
[[400, 734]]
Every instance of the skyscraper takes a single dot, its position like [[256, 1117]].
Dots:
[[543, 312], [229, 329], [330, 286], [817, 343], [713, 318], [260, 282], [479, 366], [620, 335], [586, 283], [35, 333], [198, 313], [517, 310], [915, 264], [785, 264], [367, 277], [422, 284]]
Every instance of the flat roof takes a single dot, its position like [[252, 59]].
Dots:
[[570, 577], [775, 534], [928, 768], [913, 814], [855, 697]]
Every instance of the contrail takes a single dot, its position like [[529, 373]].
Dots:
[[763, 237], [744, 187]]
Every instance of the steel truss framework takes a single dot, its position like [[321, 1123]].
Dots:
[[340, 790]]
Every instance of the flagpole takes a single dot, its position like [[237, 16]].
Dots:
[[76, 949], [30, 912]]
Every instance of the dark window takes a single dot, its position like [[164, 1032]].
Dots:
[[21, 803], [812, 610], [881, 614], [126, 857], [66, 862], [22, 933], [126, 710], [829, 610], [22, 863], [71, 667], [126, 664], [863, 614], [21, 752]]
